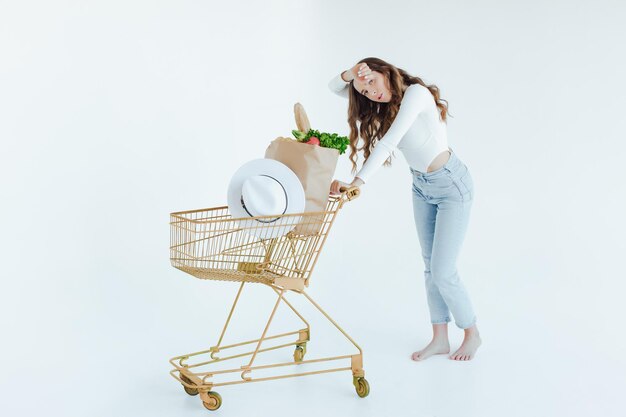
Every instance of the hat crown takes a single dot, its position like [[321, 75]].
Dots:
[[263, 195], [265, 187]]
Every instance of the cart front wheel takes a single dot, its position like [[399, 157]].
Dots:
[[214, 401], [298, 354], [190, 391], [362, 387]]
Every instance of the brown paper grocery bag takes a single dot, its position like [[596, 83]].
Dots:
[[315, 167]]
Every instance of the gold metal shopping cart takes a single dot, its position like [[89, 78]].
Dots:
[[210, 244]]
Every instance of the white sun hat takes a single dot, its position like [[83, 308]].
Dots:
[[265, 187]]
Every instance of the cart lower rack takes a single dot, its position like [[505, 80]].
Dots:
[[210, 244]]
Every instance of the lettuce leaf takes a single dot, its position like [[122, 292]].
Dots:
[[327, 140]]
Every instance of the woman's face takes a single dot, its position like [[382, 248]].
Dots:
[[373, 88]]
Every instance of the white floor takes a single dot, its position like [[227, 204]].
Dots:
[[529, 365]]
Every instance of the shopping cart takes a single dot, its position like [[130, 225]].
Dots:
[[210, 244]]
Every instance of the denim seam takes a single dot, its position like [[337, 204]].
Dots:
[[469, 189], [456, 185]]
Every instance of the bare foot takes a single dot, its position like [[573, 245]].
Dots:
[[435, 347], [438, 345], [470, 344]]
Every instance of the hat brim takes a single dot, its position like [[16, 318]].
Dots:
[[287, 178]]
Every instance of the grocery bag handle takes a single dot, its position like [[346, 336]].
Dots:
[[350, 192]]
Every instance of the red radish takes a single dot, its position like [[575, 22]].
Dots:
[[313, 141]]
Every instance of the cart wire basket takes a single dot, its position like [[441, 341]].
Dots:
[[210, 244]]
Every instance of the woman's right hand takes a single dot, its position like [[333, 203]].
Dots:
[[361, 71]]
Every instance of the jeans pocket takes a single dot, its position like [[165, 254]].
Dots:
[[462, 181], [417, 192], [467, 182]]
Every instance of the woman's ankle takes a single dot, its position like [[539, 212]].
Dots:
[[472, 331], [440, 332]]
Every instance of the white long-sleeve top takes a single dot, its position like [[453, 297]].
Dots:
[[417, 130]]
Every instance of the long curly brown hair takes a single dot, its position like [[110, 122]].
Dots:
[[376, 118]]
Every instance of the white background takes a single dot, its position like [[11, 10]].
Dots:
[[115, 113]]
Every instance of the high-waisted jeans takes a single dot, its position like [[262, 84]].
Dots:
[[442, 202]]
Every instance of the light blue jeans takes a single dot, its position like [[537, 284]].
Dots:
[[442, 202]]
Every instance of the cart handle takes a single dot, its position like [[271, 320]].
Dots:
[[350, 192]]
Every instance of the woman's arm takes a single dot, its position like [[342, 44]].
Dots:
[[339, 84], [357, 182], [416, 98]]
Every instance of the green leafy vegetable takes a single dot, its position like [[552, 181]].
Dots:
[[298, 134], [327, 140]]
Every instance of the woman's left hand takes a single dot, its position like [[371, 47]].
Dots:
[[336, 185]]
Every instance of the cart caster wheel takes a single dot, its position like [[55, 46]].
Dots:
[[215, 400], [298, 354], [362, 387], [190, 391]]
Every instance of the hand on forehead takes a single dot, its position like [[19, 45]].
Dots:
[[366, 84], [360, 84]]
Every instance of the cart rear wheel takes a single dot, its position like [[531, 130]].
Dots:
[[190, 391], [215, 400], [362, 387]]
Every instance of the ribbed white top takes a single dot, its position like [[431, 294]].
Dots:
[[417, 130]]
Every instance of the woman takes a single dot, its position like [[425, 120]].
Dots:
[[397, 110]]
